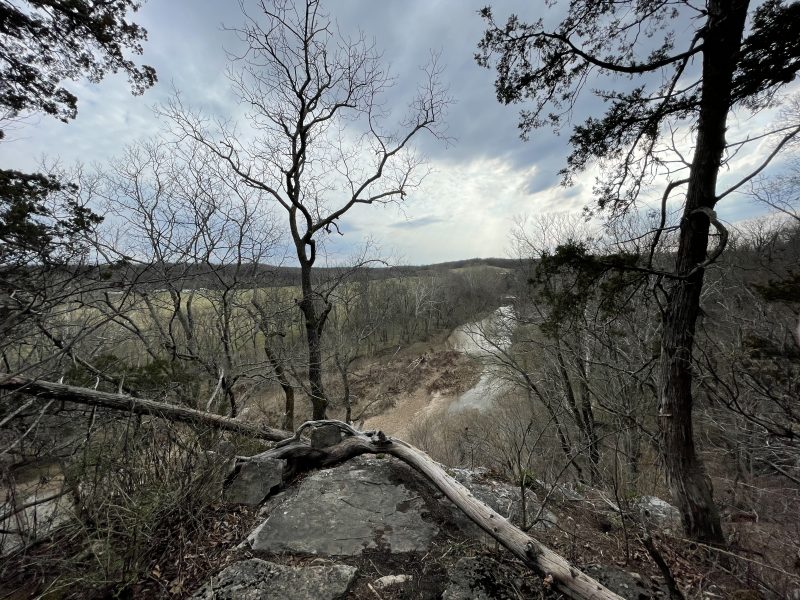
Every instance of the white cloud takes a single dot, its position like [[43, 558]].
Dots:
[[462, 210]]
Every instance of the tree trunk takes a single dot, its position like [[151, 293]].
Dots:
[[691, 488], [584, 417], [230, 396], [315, 322], [300, 454]]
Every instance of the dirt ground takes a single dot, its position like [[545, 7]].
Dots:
[[422, 387], [391, 390]]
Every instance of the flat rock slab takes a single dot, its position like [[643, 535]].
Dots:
[[346, 510], [256, 579]]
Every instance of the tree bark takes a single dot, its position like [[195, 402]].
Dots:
[[137, 406], [315, 322], [583, 416], [690, 486]]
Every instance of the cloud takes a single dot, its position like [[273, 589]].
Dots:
[[417, 223], [480, 182], [463, 209]]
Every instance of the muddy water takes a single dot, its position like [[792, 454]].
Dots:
[[484, 340]]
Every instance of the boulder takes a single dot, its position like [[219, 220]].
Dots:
[[256, 579], [343, 511], [254, 480], [658, 513]]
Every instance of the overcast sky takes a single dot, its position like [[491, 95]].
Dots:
[[486, 180]]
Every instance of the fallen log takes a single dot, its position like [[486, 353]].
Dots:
[[137, 406], [301, 456], [532, 552]]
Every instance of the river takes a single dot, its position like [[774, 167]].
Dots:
[[484, 340]]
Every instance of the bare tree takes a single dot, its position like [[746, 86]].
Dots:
[[193, 238], [318, 142]]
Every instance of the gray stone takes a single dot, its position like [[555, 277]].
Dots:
[[344, 511], [255, 480], [561, 490], [658, 513], [390, 580], [505, 499], [627, 584], [324, 436], [482, 578], [256, 579]]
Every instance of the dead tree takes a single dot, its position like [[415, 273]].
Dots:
[[137, 406]]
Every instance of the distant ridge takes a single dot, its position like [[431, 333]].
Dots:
[[209, 276]]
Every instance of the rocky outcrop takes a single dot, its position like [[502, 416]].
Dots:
[[344, 511], [255, 479], [373, 527], [256, 579], [505, 498]]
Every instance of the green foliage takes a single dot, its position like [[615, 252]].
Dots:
[[547, 70], [569, 279], [40, 219], [43, 42], [770, 55]]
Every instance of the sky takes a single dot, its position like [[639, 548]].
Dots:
[[482, 184]]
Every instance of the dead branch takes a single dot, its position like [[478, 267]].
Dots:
[[301, 456], [138, 406], [533, 553]]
